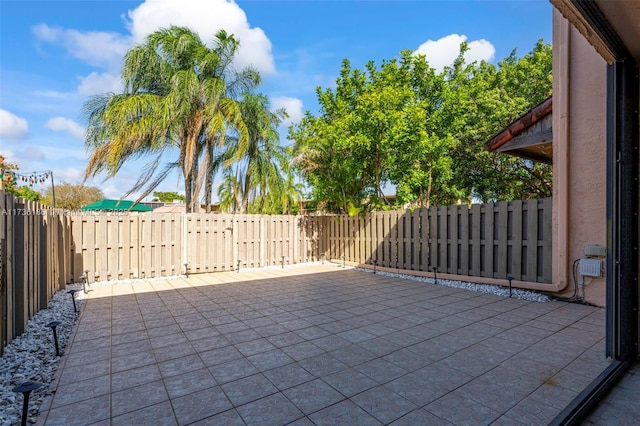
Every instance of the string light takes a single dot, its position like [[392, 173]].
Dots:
[[32, 178]]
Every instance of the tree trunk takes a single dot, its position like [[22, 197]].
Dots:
[[187, 190], [246, 190], [208, 187], [430, 184]]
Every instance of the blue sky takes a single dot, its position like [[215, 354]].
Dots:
[[55, 54]]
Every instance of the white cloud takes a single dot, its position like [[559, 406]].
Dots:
[[293, 106], [111, 191], [12, 126], [69, 175], [52, 94], [62, 124], [206, 17], [442, 52], [98, 83], [100, 49], [106, 50]]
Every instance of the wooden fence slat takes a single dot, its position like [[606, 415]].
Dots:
[[464, 240], [5, 223], [415, 240], [545, 240], [453, 243], [399, 220], [532, 241], [516, 240], [424, 239], [475, 240], [501, 242], [10, 291], [488, 245], [19, 278], [442, 239]]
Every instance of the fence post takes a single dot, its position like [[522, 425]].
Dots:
[[546, 240], [296, 241], [184, 259], [235, 222], [3, 286]]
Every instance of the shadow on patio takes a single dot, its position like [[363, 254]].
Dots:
[[320, 345]]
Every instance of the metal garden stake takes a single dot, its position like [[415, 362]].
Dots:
[[509, 277], [52, 325], [435, 274]]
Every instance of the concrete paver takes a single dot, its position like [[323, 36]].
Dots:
[[322, 345]]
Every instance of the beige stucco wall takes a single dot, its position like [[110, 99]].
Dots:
[[579, 156]]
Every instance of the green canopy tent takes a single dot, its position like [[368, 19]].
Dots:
[[117, 205]]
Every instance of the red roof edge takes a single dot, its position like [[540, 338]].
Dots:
[[527, 120]]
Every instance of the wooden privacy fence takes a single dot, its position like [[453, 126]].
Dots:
[[42, 249], [149, 245], [34, 261], [484, 240]]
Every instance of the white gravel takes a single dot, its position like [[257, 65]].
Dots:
[[517, 293], [32, 356], [287, 266], [131, 280], [480, 288]]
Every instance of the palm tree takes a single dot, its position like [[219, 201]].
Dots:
[[290, 193], [259, 160], [178, 93], [228, 192]]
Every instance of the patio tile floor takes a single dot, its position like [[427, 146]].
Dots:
[[323, 345]]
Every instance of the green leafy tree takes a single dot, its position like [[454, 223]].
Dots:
[[9, 185], [178, 93], [72, 196], [374, 129], [489, 98], [405, 124], [168, 197], [27, 193]]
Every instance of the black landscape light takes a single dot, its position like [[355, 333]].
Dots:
[[52, 325], [435, 274], [86, 280], [509, 277], [73, 292], [25, 389]]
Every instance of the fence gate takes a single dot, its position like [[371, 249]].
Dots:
[[211, 243]]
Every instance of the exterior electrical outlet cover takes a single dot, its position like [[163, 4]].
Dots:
[[595, 250], [590, 267]]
